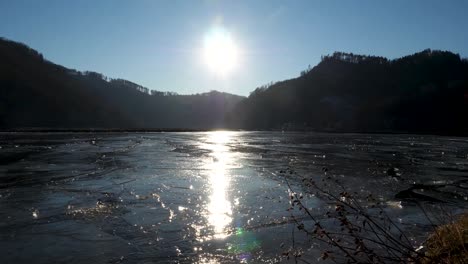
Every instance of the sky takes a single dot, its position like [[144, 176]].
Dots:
[[160, 44]]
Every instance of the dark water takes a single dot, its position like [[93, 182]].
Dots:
[[215, 197]]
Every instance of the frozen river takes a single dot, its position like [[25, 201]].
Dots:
[[203, 197]]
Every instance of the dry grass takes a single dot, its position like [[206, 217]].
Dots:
[[449, 243]]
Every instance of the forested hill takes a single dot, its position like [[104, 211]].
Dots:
[[36, 93], [426, 92]]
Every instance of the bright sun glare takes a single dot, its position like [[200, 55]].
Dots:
[[220, 52]]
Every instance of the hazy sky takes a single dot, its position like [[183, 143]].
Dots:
[[158, 43]]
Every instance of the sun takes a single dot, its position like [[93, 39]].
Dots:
[[220, 52]]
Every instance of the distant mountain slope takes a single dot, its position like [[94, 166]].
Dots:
[[37, 93], [426, 92]]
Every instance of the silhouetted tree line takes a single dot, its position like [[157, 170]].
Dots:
[[354, 58], [426, 92], [37, 93]]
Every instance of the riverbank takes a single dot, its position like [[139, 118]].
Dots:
[[448, 243]]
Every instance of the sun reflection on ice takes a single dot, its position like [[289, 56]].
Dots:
[[219, 212]]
